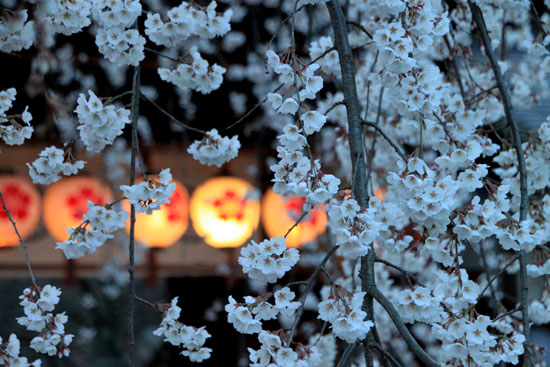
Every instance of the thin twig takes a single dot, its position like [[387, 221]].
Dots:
[[477, 15], [361, 28], [405, 272], [254, 108], [20, 239], [161, 54], [455, 68], [388, 139], [379, 348], [291, 15], [507, 313], [345, 356], [497, 276], [304, 214], [144, 301], [313, 276], [169, 115]]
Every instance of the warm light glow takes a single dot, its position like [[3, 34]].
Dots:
[[380, 192], [225, 211], [23, 203], [163, 227], [279, 214], [66, 201]]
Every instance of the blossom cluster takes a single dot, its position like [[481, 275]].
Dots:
[[69, 16], [51, 163], [99, 124], [83, 240], [116, 13], [38, 304], [308, 83], [9, 354], [268, 260], [355, 229], [194, 72], [187, 20], [120, 46], [343, 311], [419, 305], [274, 353], [329, 62], [14, 133], [296, 174], [246, 317], [189, 338], [149, 195], [213, 149], [468, 341], [16, 33]]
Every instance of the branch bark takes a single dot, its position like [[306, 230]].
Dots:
[[359, 184], [403, 330], [477, 16], [136, 86]]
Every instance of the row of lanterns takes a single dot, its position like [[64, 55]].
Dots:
[[224, 211]]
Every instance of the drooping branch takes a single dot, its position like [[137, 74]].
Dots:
[[20, 239], [359, 182], [403, 330], [131, 250], [477, 15]]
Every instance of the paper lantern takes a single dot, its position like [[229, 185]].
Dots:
[[165, 226], [66, 201], [225, 211], [280, 213], [23, 203]]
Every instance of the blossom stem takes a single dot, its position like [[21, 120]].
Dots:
[[20, 240], [131, 249], [477, 16]]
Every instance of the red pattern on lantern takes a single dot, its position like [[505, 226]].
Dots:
[[23, 203], [78, 202], [17, 202], [229, 206]]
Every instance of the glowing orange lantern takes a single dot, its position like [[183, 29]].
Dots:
[[165, 226], [66, 201], [23, 203], [225, 211], [280, 213]]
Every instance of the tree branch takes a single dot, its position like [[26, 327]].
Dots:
[[131, 269], [477, 15], [359, 183], [426, 359], [20, 239]]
